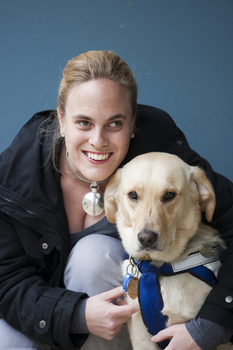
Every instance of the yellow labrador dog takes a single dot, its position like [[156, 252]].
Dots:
[[156, 201]]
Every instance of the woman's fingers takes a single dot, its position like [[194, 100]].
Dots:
[[105, 319]]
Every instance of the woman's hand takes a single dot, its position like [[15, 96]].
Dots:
[[105, 319], [180, 338]]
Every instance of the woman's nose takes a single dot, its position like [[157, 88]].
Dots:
[[98, 139]]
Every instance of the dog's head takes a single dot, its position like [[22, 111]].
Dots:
[[156, 201]]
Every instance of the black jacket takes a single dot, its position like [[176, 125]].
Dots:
[[34, 235]]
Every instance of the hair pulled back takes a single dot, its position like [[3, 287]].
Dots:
[[93, 65]]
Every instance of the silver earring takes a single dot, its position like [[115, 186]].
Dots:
[[132, 136], [62, 135]]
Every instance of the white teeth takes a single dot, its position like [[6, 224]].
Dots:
[[97, 156]]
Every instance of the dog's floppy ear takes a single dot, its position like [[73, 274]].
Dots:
[[206, 192], [110, 203]]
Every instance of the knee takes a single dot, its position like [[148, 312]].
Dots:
[[94, 264]]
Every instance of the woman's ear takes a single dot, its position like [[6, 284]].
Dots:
[[61, 121], [134, 127]]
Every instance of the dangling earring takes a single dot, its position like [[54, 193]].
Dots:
[[132, 136]]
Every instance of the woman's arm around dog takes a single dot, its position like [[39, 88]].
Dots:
[[180, 338]]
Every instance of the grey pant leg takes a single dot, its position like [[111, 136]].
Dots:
[[11, 339], [93, 267]]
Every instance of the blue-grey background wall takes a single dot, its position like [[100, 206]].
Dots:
[[181, 52]]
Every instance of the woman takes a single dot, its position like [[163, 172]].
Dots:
[[53, 224]]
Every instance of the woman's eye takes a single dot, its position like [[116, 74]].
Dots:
[[84, 123], [115, 125], [133, 196]]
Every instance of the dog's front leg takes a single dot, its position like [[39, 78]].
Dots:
[[140, 337]]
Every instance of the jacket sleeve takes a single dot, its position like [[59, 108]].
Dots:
[[163, 135], [27, 302]]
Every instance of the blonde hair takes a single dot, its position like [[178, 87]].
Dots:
[[93, 65]]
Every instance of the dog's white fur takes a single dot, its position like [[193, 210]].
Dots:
[[158, 192]]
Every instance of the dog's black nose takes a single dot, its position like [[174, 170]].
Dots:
[[147, 238]]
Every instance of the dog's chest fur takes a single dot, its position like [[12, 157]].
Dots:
[[182, 295]]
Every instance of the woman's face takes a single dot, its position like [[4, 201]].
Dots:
[[98, 126]]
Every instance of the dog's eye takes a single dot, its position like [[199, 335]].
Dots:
[[133, 195], [169, 196]]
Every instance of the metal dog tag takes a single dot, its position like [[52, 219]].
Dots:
[[133, 287], [130, 285]]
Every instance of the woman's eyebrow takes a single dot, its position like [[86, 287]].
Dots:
[[117, 116], [85, 117], [81, 116]]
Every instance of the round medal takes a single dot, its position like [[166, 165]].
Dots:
[[93, 203]]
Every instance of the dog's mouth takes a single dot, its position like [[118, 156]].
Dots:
[[148, 254], [154, 248]]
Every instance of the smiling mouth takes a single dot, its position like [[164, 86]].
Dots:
[[95, 156]]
